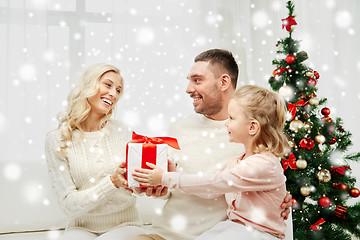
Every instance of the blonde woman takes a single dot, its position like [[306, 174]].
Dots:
[[254, 183], [83, 155]]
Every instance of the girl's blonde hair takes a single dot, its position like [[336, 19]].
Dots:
[[269, 110], [78, 107]]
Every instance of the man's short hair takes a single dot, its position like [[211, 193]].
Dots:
[[222, 61]]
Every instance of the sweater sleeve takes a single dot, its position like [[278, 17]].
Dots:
[[72, 201], [255, 173]]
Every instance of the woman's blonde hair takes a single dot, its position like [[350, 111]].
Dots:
[[78, 107], [269, 110]]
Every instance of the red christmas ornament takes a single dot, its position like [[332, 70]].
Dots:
[[312, 82], [343, 187], [290, 59], [288, 22], [294, 202], [354, 192], [306, 143], [325, 111], [324, 202], [337, 185]]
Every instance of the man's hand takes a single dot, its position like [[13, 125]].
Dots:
[[286, 206], [171, 166], [158, 191]]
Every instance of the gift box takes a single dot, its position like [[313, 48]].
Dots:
[[143, 149]]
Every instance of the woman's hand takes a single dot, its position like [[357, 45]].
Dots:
[[149, 177], [118, 178]]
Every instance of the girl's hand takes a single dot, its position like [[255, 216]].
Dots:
[[149, 177]]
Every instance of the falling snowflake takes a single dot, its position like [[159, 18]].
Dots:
[[145, 36], [343, 19], [131, 118], [46, 202], [53, 235], [12, 171], [337, 158], [158, 211], [258, 215], [33, 192], [156, 123], [27, 72], [178, 223], [49, 55], [260, 19]]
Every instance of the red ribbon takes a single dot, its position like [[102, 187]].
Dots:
[[340, 170], [316, 74], [288, 22], [292, 107], [172, 142], [280, 70], [315, 225], [290, 162]]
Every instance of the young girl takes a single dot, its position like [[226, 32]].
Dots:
[[253, 184], [83, 155]]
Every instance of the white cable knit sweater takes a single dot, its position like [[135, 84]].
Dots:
[[81, 179]]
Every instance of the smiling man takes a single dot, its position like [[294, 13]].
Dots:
[[205, 149]]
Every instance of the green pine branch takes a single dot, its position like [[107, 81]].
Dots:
[[290, 6]]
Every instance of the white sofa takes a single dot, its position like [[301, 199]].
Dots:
[[28, 209]]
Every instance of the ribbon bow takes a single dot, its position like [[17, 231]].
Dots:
[[288, 22], [315, 225], [172, 142], [292, 107], [290, 162], [279, 70], [340, 170]]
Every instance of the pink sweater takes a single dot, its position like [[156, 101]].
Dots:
[[254, 189]]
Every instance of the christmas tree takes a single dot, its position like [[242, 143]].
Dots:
[[320, 182]]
